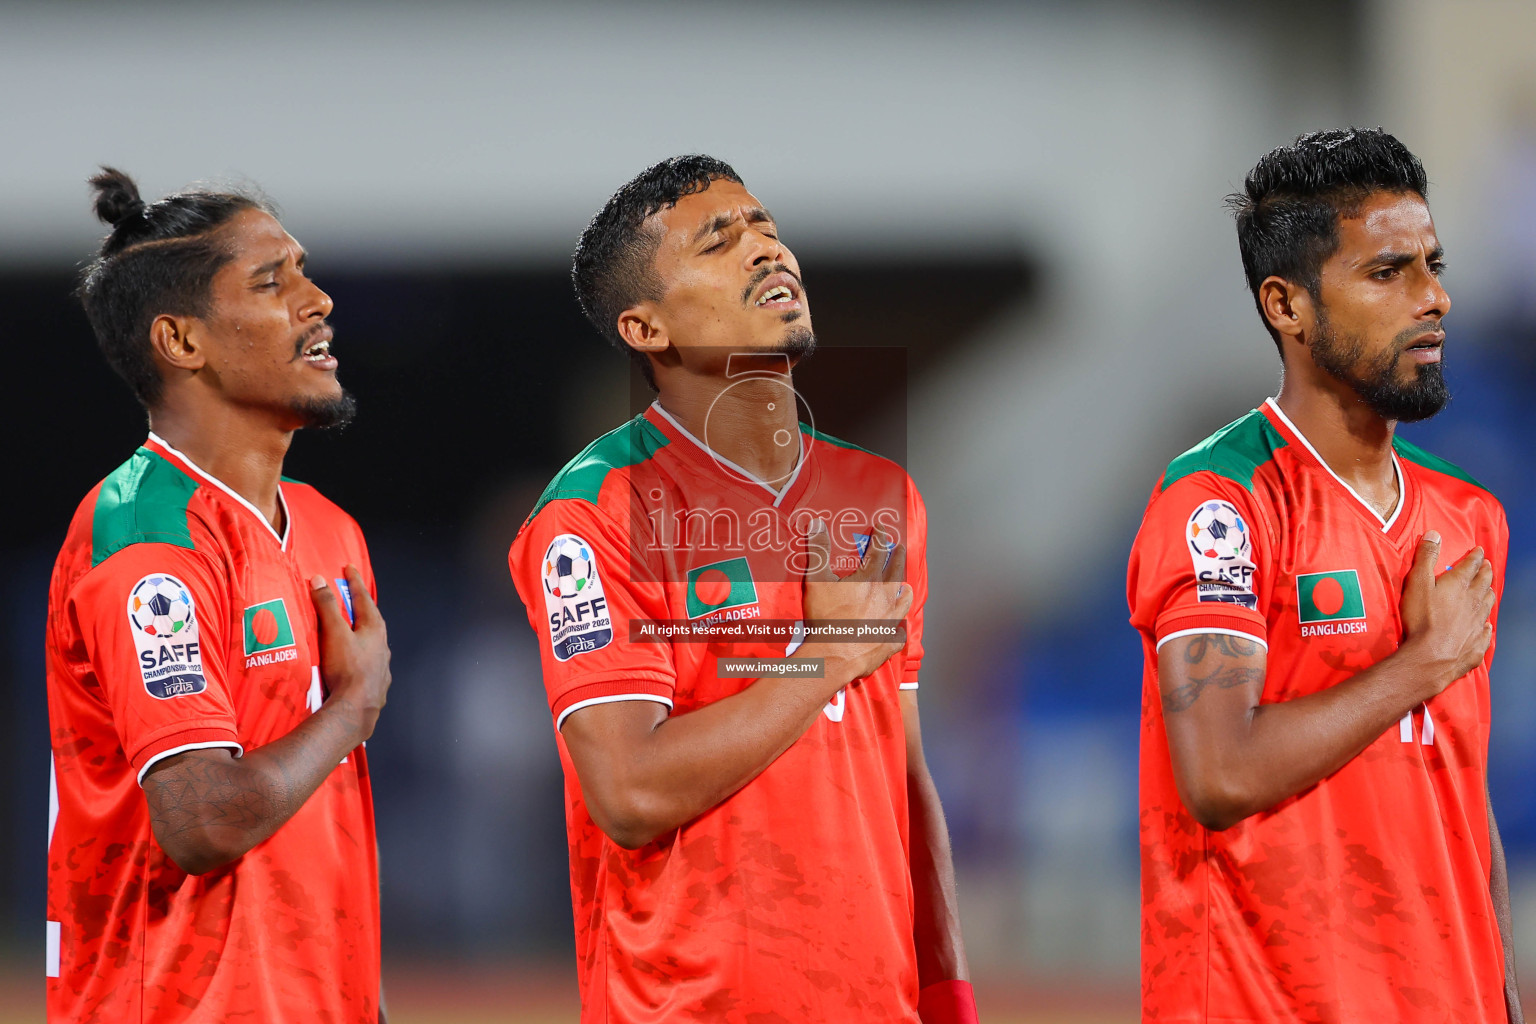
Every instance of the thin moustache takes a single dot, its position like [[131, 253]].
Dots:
[[311, 336], [1417, 336], [763, 273]]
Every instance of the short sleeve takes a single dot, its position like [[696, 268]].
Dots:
[[917, 577], [583, 583], [154, 620], [1199, 562]]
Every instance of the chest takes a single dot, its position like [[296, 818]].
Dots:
[[740, 596], [1333, 590], [273, 649]]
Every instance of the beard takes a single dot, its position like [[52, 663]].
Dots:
[[797, 343], [1376, 383], [326, 413]]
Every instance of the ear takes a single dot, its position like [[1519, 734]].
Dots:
[[1287, 307], [175, 341], [642, 329]]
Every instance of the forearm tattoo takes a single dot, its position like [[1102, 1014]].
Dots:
[[1208, 652]]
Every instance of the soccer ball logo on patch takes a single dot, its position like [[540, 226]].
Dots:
[[568, 568], [1216, 530], [160, 607]]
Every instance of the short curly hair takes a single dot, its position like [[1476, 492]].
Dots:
[[612, 268]]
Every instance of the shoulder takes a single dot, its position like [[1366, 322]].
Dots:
[[847, 457], [1235, 453], [1217, 486], [306, 501], [146, 500], [1441, 473], [583, 478]]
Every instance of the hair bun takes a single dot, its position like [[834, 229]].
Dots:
[[117, 197]]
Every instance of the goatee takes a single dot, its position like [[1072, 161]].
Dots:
[[1377, 385], [327, 413], [798, 343]]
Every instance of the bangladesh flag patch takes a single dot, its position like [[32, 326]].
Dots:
[[267, 627], [720, 585], [1329, 597]]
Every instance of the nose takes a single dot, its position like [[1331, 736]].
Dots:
[[317, 304], [1437, 301], [762, 248]]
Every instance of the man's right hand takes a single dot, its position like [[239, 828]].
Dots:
[[354, 659], [1446, 625], [208, 808], [875, 591]]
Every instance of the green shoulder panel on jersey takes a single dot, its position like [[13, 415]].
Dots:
[[143, 501], [1236, 451], [1413, 453], [835, 441], [582, 477]]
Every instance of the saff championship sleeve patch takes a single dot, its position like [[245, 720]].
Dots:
[[163, 620], [1221, 547], [578, 616]]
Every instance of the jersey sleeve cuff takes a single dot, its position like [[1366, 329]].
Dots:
[[1213, 618], [1202, 630], [191, 739], [607, 691]]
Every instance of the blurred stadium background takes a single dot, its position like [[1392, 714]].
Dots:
[[1027, 197]]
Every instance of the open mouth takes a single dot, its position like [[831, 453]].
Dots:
[[1428, 349], [778, 292], [318, 352]]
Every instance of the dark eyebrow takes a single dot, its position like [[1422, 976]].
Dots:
[[1388, 258], [272, 266], [720, 221]]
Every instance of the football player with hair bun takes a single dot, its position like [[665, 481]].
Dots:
[[1317, 600], [215, 658]]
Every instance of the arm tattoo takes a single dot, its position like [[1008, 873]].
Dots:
[[193, 798], [1213, 646], [193, 793]]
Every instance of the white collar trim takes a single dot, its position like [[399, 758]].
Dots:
[[778, 495], [221, 485], [1402, 490]]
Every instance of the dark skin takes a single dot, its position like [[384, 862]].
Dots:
[[645, 772], [1234, 757], [235, 384]]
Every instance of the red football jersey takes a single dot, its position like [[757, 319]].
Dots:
[[792, 900], [1365, 897], [179, 619]]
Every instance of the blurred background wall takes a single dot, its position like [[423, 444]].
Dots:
[[1026, 197]]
